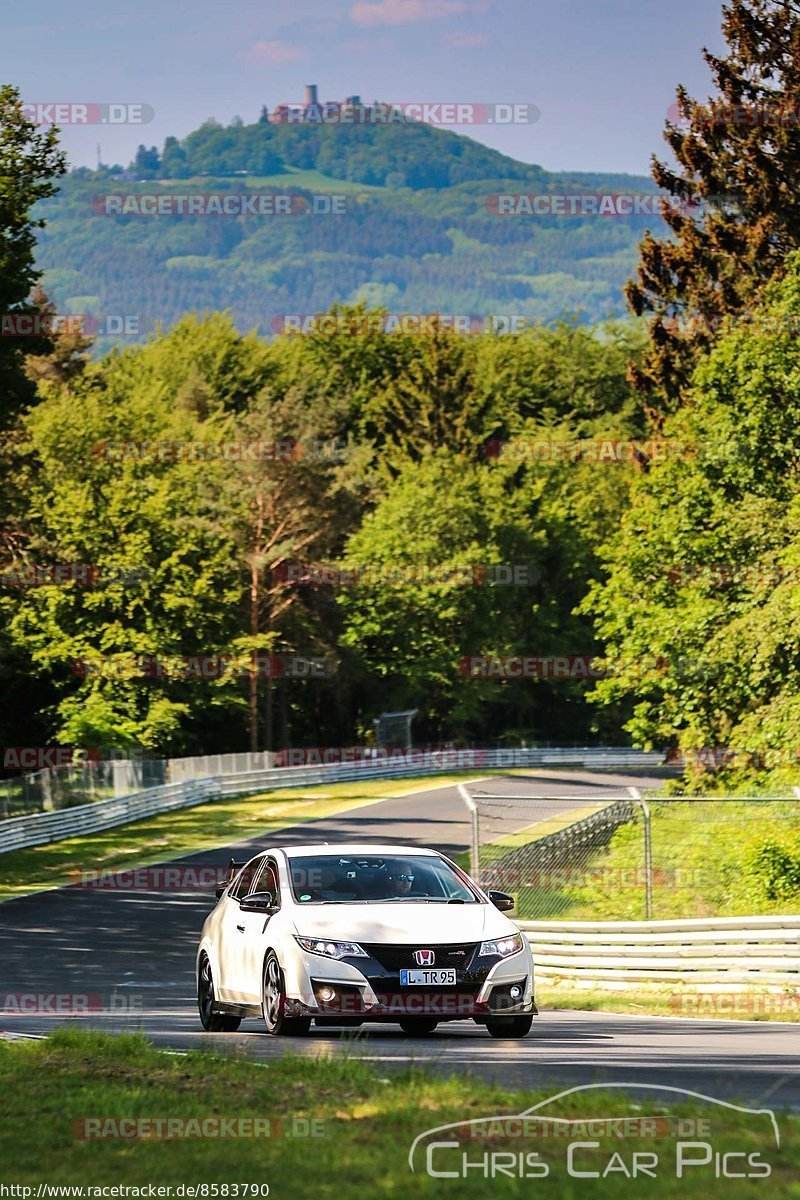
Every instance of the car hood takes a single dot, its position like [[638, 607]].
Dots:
[[402, 923]]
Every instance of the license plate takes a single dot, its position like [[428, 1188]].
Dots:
[[441, 977]]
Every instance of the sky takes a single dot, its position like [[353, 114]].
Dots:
[[602, 73]]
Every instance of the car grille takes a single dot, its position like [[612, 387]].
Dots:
[[398, 958], [452, 1002]]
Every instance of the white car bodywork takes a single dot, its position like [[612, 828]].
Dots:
[[237, 943]]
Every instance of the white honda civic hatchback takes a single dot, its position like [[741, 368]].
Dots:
[[342, 934]]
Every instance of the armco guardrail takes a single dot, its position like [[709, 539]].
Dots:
[[74, 784], [38, 828], [203, 765], [552, 851], [432, 762], [736, 953]]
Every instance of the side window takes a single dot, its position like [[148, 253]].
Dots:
[[268, 881], [247, 879]]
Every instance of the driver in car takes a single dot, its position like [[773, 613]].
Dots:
[[401, 879]]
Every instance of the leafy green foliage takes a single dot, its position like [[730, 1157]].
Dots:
[[389, 467], [737, 154], [29, 161], [702, 574], [416, 235]]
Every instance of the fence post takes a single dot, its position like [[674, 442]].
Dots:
[[636, 795], [474, 856]]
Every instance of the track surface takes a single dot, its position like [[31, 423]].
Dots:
[[132, 954]]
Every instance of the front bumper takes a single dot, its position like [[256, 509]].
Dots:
[[371, 991]]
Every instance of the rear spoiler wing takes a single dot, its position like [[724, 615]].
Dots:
[[234, 868]]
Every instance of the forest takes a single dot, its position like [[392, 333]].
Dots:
[[586, 530]]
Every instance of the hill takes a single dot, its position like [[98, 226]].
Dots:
[[417, 231]]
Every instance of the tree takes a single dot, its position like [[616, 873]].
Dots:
[[700, 609], [70, 345], [147, 162], [436, 402], [30, 161], [173, 160], [739, 155], [287, 506], [148, 523], [467, 560]]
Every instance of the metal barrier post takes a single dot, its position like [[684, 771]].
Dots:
[[636, 795], [474, 855]]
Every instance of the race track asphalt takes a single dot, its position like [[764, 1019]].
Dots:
[[128, 957]]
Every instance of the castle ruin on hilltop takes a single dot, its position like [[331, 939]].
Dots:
[[312, 111]]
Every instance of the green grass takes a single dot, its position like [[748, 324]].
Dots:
[[365, 1125], [702, 852], [671, 1001], [492, 852], [218, 823]]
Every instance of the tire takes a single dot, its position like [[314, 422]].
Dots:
[[418, 1026], [273, 996], [214, 1022], [510, 1027]]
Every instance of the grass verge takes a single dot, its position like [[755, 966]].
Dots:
[[188, 830], [710, 858], [363, 1126], [671, 1002]]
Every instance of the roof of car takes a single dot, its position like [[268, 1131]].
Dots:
[[355, 848]]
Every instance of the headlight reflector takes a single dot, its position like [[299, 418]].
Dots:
[[502, 947], [332, 949]]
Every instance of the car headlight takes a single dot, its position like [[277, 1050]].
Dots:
[[501, 947], [332, 949]]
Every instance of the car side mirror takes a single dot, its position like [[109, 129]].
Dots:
[[502, 900], [263, 902]]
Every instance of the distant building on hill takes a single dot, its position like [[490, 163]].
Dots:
[[311, 111]]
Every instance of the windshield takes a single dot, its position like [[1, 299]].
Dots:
[[335, 879]]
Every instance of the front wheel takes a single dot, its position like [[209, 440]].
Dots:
[[214, 1022], [418, 1026], [510, 1027], [273, 1003]]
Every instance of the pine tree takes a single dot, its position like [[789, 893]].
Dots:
[[739, 162], [29, 163], [70, 345]]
